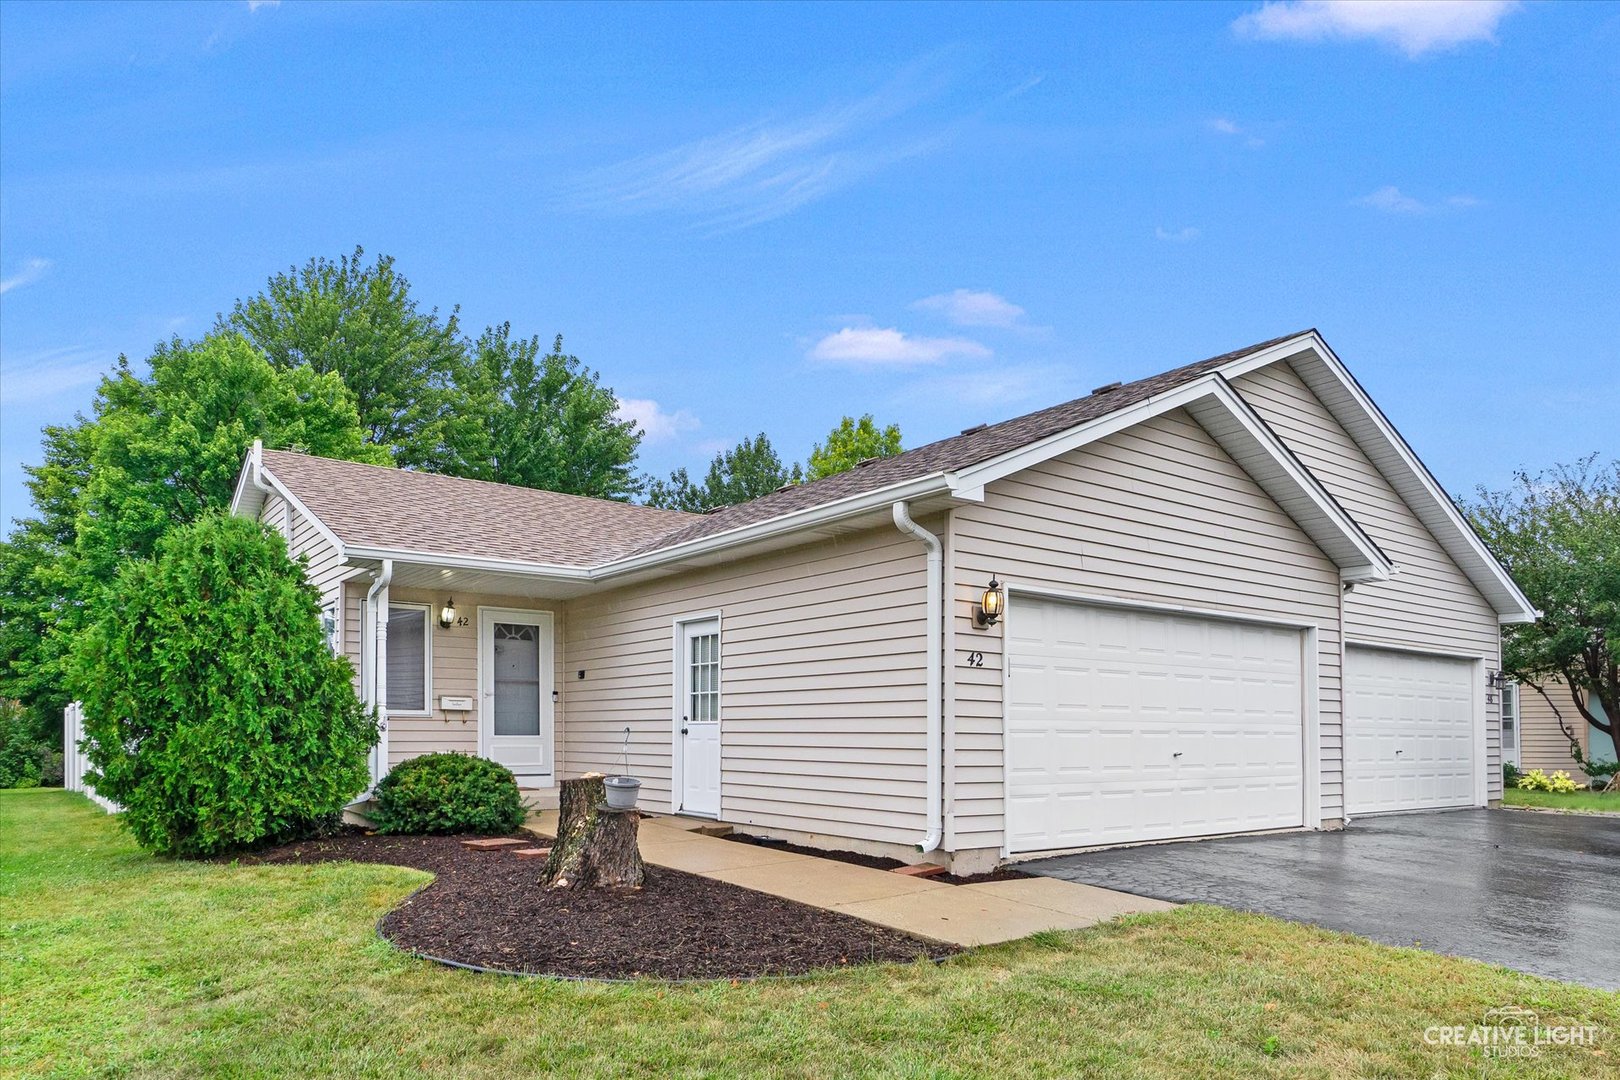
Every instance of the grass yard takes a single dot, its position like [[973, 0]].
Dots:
[[113, 963], [1574, 800]]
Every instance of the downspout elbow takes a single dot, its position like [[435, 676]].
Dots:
[[935, 674]]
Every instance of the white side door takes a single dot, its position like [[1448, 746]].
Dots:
[[515, 665], [697, 717]]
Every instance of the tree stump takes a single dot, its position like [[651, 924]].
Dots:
[[595, 847]]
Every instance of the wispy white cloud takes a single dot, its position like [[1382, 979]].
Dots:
[[999, 385], [31, 271], [50, 373], [1413, 26], [255, 5], [1185, 235], [891, 347], [765, 170], [967, 307], [658, 424], [1223, 125], [1389, 199]]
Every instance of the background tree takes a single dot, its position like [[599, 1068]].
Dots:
[[215, 712], [850, 443], [360, 322], [168, 446], [748, 470], [540, 420], [160, 450], [1558, 533]]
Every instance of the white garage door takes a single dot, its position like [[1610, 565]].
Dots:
[[1130, 725], [1408, 731]]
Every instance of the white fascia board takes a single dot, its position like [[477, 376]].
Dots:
[[473, 562], [808, 518], [297, 504], [1023, 457], [244, 490], [1371, 563], [1432, 506], [1356, 554]]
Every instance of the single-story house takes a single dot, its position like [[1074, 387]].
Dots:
[[1537, 723], [1223, 599]]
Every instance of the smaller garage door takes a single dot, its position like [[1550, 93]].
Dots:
[[1409, 731], [1128, 725]]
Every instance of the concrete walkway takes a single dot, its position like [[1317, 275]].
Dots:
[[966, 915]]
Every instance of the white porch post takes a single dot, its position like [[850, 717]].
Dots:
[[375, 680]]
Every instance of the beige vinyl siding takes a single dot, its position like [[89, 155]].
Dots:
[[323, 568], [455, 674], [1542, 742], [1430, 603], [1159, 514], [821, 694]]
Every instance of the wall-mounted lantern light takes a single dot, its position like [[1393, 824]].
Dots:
[[447, 616], [988, 610]]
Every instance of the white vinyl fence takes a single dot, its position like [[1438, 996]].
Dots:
[[74, 762]]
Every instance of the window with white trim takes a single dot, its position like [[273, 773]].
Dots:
[[329, 627], [410, 659], [1510, 722]]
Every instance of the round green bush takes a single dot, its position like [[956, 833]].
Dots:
[[448, 793], [215, 713]]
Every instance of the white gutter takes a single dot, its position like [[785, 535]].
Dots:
[[377, 608], [936, 674]]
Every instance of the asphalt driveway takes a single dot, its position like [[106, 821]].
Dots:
[[1530, 891]]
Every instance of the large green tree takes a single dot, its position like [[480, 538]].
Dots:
[[852, 442], [1558, 533], [161, 448], [167, 446], [215, 712], [748, 470], [359, 321], [541, 420]]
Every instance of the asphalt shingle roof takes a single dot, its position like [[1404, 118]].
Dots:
[[956, 452], [374, 506]]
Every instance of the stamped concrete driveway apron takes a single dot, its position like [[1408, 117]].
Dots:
[[1531, 891]]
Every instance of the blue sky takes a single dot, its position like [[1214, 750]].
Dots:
[[763, 217]]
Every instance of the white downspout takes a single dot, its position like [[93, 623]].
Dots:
[[377, 608], [935, 675]]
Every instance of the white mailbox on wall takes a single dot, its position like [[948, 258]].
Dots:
[[455, 704]]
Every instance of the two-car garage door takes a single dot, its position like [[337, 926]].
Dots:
[[1127, 725]]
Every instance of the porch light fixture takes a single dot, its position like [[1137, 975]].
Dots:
[[988, 610], [447, 615]]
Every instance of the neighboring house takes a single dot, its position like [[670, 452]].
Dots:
[[1536, 729], [1234, 600]]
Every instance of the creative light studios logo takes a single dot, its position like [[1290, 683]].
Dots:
[[1512, 1032]]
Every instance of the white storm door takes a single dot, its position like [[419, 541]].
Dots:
[[515, 659], [698, 717]]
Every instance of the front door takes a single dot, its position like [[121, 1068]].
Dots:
[[515, 661], [698, 717]]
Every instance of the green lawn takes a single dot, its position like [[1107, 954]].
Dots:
[[1575, 800], [116, 964]]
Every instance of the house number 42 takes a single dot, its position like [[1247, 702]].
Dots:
[[975, 659]]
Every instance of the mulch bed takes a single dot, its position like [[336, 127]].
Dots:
[[487, 909], [877, 862]]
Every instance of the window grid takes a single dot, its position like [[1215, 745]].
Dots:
[[703, 705]]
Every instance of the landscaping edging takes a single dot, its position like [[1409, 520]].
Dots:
[[485, 911]]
